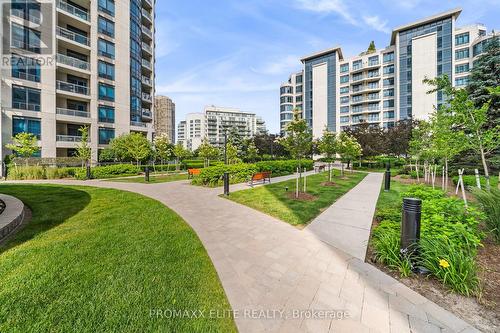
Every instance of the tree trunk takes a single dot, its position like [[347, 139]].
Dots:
[[485, 167], [446, 175]]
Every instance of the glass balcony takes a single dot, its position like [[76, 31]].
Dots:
[[147, 64], [70, 9], [146, 14], [74, 113], [148, 2], [147, 97], [26, 15], [147, 48], [68, 138], [73, 88], [147, 81], [147, 32], [147, 114], [73, 36], [138, 124], [73, 62], [26, 106]]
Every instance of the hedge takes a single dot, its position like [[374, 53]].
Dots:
[[109, 171], [212, 176], [38, 172], [283, 168]]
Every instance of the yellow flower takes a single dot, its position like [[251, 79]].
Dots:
[[444, 263]]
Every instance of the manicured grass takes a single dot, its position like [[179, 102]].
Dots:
[[102, 260], [153, 179], [391, 199], [274, 200]]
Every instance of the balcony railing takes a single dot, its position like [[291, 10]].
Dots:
[[73, 62], [26, 76], [148, 2], [71, 87], [146, 113], [147, 32], [138, 124], [68, 34], [74, 113], [147, 14], [147, 48], [146, 80], [68, 138], [146, 64], [26, 106], [68, 8], [147, 97], [25, 16]]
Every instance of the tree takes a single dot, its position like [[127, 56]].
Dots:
[[107, 155], [486, 73], [252, 151], [328, 146], [163, 147], [371, 48], [298, 141], [207, 152], [348, 149], [133, 146], [267, 145], [24, 145], [180, 154], [83, 150], [397, 138], [470, 119], [232, 154], [371, 138], [420, 143]]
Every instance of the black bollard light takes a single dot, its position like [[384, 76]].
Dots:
[[226, 183], [410, 225], [146, 174], [388, 177], [88, 172]]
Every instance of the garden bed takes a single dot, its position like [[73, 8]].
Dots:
[[479, 309]]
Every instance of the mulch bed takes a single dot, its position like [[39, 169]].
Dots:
[[451, 186], [302, 196], [332, 184]]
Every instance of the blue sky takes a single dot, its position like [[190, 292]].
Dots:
[[236, 53]]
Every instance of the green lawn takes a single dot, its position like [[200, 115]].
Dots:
[[273, 199], [391, 199], [153, 179], [102, 260]]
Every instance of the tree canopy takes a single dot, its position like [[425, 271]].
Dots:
[[24, 144]]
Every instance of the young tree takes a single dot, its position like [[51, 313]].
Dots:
[[231, 154], [348, 149], [24, 145], [163, 147], [252, 151], [107, 155], [328, 146], [180, 154], [207, 152], [83, 150], [471, 120], [420, 144], [133, 146], [372, 138], [298, 141]]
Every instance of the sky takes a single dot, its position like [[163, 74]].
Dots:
[[236, 53]]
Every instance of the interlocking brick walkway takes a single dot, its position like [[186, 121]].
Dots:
[[266, 264]]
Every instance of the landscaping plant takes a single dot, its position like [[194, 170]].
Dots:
[[490, 204]]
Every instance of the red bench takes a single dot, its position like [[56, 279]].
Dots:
[[261, 177], [193, 172]]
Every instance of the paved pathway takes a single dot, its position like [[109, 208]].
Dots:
[[347, 223], [266, 264]]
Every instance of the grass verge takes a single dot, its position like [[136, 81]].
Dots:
[[153, 179], [102, 260], [273, 199]]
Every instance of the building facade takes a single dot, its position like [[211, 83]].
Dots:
[[291, 94], [386, 85], [214, 122], [164, 117], [77, 63]]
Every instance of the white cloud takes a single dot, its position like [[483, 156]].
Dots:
[[281, 66], [376, 23], [327, 6]]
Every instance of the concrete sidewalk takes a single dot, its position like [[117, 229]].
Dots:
[[347, 223]]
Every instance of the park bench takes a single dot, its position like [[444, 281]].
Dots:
[[261, 177], [320, 168], [193, 172]]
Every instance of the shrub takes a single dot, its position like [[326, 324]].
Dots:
[[16, 172], [59, 173], [386, 242], [282, 168], [490, 204], [108, 171], [470, 181], [212, 176]]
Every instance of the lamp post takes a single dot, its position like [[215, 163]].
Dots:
[[226, 174], [225, 147]]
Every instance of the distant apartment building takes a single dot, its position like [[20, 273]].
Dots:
[[77, 63], [291, 94], [214, 122], [164, 117], [385, 86]]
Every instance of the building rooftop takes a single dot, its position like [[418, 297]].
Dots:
[[322, 53], [452, 12]]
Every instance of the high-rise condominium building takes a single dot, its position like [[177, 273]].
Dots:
[[214, 122], [77, 63], [385, 86], [164, 117], [291, 93]]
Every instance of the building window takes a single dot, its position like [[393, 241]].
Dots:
[[344, 79], [286, 90], [106, 114], [25, 38], [388, 57], [298, 89], [462, 54], [24, 98], [344, 100], [389, 115], [344, 119], [106, 92], [389, 69], [27, 10], [344, 90], [389, 82], [106, 70], [26, 125], [461, 68], [388, 92], [344, 109], [106, 49], [357, 77], [461, 81], [286, 99], [358, 64], [462, 39], [106, 135], [106, 27], [344, 68], [298, 79], [389, 103], [372, 61], [25, 68], [107, 6]]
